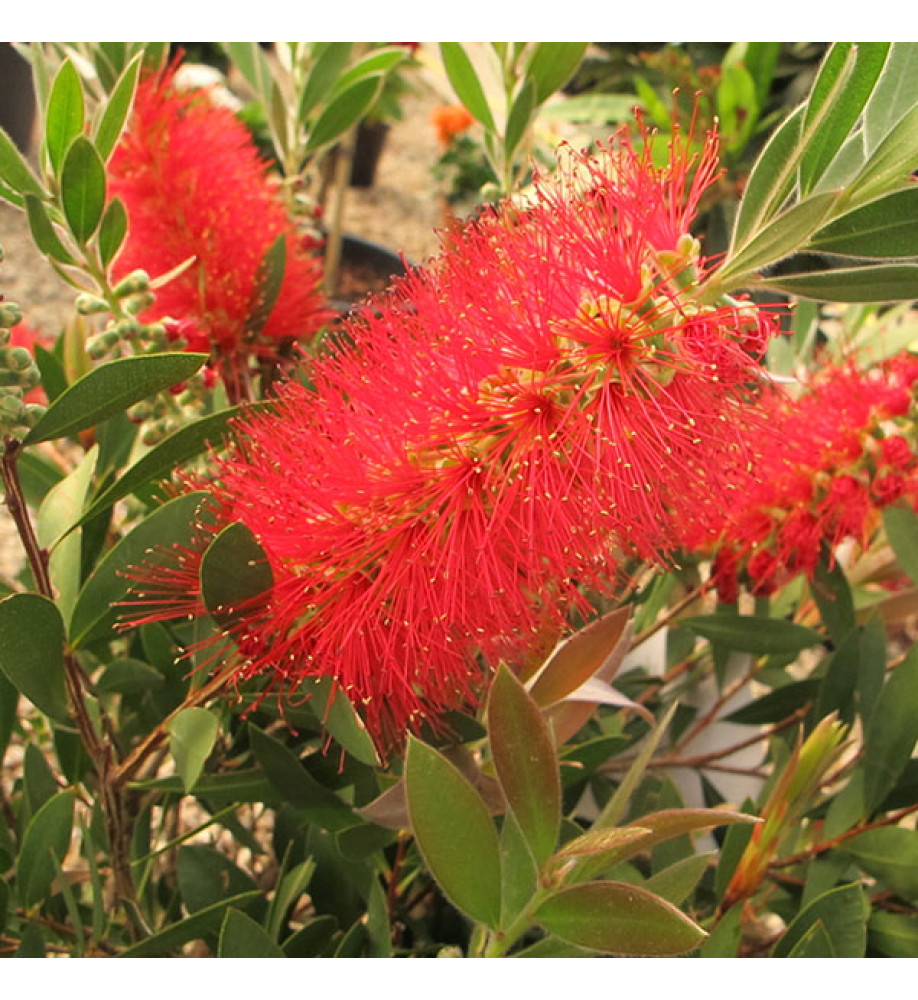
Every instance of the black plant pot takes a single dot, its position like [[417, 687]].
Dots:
[[17, 97], [365, 268], [368, 147]]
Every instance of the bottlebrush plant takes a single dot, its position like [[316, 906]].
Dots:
[[405, 644]]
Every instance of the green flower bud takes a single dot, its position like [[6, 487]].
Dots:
[[137, 303], [10, 314], [90, 305], [136, 281], [16, 359]]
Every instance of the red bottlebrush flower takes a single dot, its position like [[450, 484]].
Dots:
[[194, 185], [821, 474], [502, 427]]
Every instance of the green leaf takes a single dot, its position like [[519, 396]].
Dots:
[[815, 943], [737, 105], [770, 180], [65, 114], [239, 786], [901, 524], [169, 454], [83, 188], [454, 833], [894, 94], [112, 388], [48, 830], [206, 876], [893, 934], [891, 731], [464, 81], [112, 230], [890, 855], [836, 692], [15, 170], [235, 575], [526, 764], [342, 112], [269, 279], [786, 234], [726, 936], [32, 652], [886, 227], [891, 162], [117, 108], [296, 785], [843, 912], [59, 512], [552, 65], [44, 233], [242, 937], [873, 283], [198, 925], [312, 940], [128, 676], [192, 734], [776, 705], [833, 598], [619, 919], [751, 634], [842, 108], [341, 720], [97, 605], [519, 874], [252, 63], [519, 117], [322, 77], [677, 882], [377, 63]]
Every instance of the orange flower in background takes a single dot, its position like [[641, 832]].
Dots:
[[194, 185], [449, 120]]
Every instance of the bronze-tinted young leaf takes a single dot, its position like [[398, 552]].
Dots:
[[676, 882], [83, 188], [891, 731], [65, 113], [454, 832], [112, 388], [619, 919], [601, 841], [32, 651], [49, 829], [235, 575], [527, 768], [595, 650]]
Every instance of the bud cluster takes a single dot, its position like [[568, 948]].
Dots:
[[19, 375]]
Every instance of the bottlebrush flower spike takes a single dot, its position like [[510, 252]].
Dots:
[[194, 185], [543, 399], [829, 461]]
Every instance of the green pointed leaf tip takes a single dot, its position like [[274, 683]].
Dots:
[[242, 937], [65, 114], [192, 734], [619, 919], [751, 634], [454, 833], [526, 764], [464, 81]]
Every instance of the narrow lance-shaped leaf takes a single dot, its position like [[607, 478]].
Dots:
[[869, 283], [14, 169], [65, 113], [43, 231], [454, 833], [526, 764], [750, 634], [885, 227], [895, 94], [117, 108], [464, 81], [112, 388], [552, 65], [343, 112], [48, 830]]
